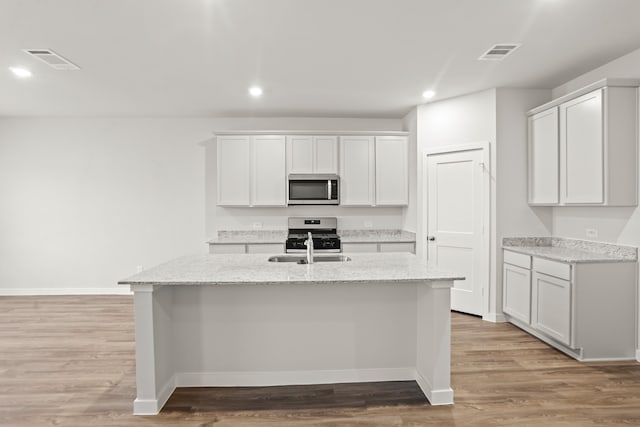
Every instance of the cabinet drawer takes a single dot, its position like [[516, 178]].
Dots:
[[359, 247], [265, 248], [552, 268], [397, 247], [226, 249], [514, 258]]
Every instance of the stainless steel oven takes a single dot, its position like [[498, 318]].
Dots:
[[313, 189]]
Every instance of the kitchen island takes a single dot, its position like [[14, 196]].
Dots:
[[240, 320]]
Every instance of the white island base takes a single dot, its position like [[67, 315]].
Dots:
[[190, 335], [257, 335]]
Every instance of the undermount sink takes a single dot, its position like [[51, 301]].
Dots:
[[302, 259]]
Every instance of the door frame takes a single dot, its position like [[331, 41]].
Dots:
[[485, 147]]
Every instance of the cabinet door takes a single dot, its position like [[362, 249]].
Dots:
[[392, 171], [357, 175], [543, 157], [516, 292], [325, 154], [398, 247], [551, 307], [582, 150], [234, 168], [359, 247], [299, 154], [268, 166], [265, 248]]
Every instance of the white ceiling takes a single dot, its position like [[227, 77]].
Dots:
[[333, 58]]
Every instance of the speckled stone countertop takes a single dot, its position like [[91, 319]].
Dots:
[[240, 237], [255, 269], [570, 250]]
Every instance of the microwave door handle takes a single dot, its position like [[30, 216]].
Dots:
[[329, 189]]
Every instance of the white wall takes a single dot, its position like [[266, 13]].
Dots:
[[499, 117], [627, 66], [411, 212], [514, 216], [455, 121], [87, 200]]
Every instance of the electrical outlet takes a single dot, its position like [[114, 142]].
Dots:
[[257, 225], [368, 224], [139, 269], [592, 233]]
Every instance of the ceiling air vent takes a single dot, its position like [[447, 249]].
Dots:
[[52, 59], [498, 52]]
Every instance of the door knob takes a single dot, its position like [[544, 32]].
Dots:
[[431, 238]]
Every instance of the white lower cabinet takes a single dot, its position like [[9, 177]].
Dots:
[[516, 297], [247, 248], [363, 247], [586, 310], [551, 307]]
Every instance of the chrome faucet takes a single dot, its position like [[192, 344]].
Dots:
[[309, 244]]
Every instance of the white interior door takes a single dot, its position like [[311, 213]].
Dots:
[[456, 223]]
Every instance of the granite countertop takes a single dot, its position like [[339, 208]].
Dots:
[[255, 269], [571, 250], [241, 237]]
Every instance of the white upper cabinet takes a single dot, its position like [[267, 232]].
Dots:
[[312, 154], [357, 170], [251, 170], [374, 171], [392, 171], [299, 154], [268, 171], [582, 150], [543, 154], [595, 162], [234, 170], [325, 154]]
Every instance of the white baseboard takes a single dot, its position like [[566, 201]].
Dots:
[[273, 378], [153, 406], [436, 397], [276, 378], [120, 290], [495, 317], [638, 354]]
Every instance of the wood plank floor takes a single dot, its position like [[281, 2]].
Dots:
[[69, 361]]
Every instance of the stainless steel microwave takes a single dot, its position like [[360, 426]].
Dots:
[[313, 189]]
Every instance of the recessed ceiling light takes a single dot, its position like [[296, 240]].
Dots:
[[20, 72], [428, 94], [255, 91]]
